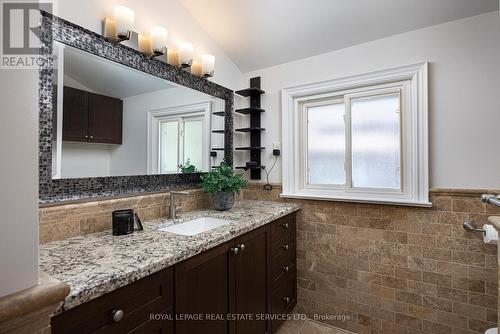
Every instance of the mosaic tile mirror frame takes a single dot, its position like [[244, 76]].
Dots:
[[63, 189]]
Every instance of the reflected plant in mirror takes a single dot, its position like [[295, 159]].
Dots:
[[113, 120], [188, 168]]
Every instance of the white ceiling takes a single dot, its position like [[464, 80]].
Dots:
[[108, 78], [262, 33]]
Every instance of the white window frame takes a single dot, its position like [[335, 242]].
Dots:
[[411, 82], [156, 116]]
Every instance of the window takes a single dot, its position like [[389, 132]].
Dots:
[[362, 138], [179, 134]]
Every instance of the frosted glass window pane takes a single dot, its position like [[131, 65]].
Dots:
[[326, 144], [376, 160], [169, 134], [193, 143]]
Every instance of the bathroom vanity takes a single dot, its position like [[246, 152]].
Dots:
[[236, 278]]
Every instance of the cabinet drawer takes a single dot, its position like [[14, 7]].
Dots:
[[284, 299], [152, 294], [284, 245], [284, 265], [282, 227]]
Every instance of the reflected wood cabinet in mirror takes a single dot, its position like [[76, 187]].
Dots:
[[90, 117]]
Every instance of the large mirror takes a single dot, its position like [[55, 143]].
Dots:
[[112, 120]]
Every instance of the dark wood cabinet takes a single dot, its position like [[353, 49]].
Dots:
[[227, 281], [284, 268], [204, 286], [89, 117], [135, 303], [252, 281], [105, 119], [232, 288], [75, 115]]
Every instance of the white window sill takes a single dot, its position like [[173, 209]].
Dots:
[[357, 200]]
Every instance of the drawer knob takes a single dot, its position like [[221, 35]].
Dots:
[[117, 315], [286, 247], [235, 250], [91, 137], [286, 269], [286, 300], [285, 225], [86, 137], [242, 247]]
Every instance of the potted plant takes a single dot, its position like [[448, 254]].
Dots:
[[223, 184]]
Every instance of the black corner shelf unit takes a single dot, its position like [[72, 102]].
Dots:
[[255, 129], [213, 151]]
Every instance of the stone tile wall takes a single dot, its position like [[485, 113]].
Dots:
[[394, 269], [69, 220]]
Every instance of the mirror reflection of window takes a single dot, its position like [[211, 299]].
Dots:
[[169, 142], [181, 143], [193, 143]]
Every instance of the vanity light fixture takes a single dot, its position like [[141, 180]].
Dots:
[[207, 66], [172, 57], [158, 41], [119, 29], [144, 44], [196, 68], [186, 51]]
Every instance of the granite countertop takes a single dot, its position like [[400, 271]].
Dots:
[[98, 263]]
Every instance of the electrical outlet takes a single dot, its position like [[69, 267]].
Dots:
[[276, 148]]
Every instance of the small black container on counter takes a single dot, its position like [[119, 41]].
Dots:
[[123, 222]]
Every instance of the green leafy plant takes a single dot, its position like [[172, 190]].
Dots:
[[188, 168], [223, 179]]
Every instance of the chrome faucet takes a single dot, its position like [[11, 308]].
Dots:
[[173, 209], [491, 199]]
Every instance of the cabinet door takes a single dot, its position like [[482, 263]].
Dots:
[[252, 281], [205, 286], [105, 119], [75, 115]]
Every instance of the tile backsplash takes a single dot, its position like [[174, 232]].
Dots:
[[69, 220], [394, 269]]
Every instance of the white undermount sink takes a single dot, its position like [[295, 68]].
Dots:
[[196, 226]]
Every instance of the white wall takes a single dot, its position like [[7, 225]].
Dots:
[[464, 104], [18, 180], [85, 160], [171, 14]]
